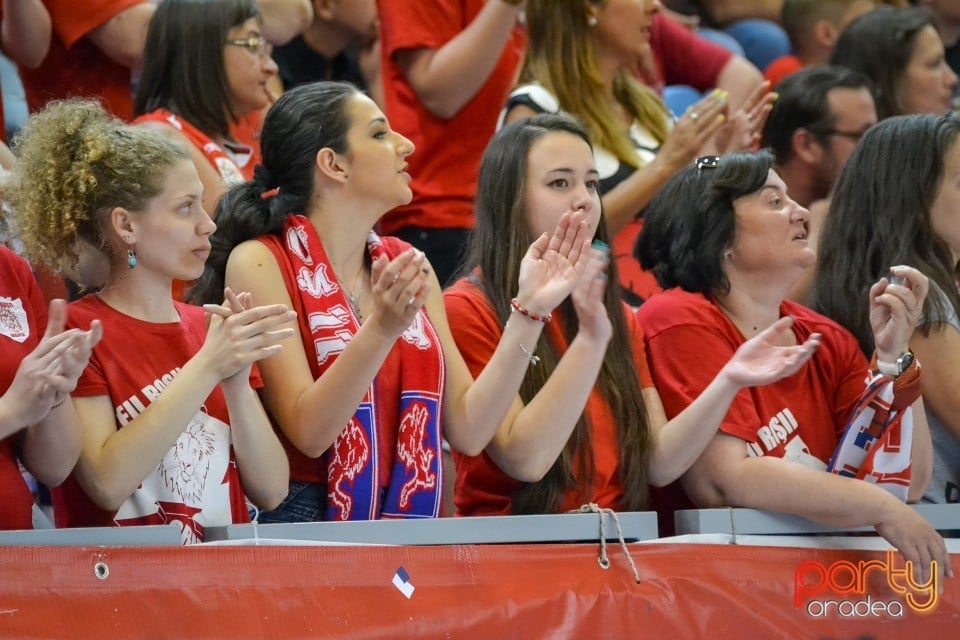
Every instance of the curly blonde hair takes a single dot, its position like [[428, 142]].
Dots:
[[75, 164]]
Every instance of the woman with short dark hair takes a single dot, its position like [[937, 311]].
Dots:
[[728, 243]]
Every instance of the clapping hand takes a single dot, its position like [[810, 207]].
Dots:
[[50, 372], [743, 130], [240, 334], [552, 265], [895, 310], [587, 297], [692, 130], [762, 360], [400, 288]]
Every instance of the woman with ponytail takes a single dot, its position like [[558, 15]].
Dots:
[[359, 391]]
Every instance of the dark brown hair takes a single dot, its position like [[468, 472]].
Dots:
[[497, 246]]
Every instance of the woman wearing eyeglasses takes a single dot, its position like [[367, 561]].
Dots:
[[727, 243], [206, 68]]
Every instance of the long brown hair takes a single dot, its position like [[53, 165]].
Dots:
[[498, 244], [560, 57]]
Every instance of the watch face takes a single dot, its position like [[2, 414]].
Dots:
[[904, 361]]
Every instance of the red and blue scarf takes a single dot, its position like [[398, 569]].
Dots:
[[354, 462]]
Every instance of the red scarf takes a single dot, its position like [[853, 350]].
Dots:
[[353, 463]]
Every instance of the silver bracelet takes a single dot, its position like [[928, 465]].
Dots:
[[534, 359]]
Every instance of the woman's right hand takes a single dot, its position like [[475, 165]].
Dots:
[[692, 130], [400, 288], [762, 360], [916, 540], [48, 374], [240, 334], [587, 296]]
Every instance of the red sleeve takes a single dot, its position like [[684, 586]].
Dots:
[[473, 323], [781, 68], [683, 57], [418, 23], [73, 19], [639, 350], [684, 360]]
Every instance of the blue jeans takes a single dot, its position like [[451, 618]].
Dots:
[[306, 502]]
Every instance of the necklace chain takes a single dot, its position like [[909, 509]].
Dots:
[[354, 298]]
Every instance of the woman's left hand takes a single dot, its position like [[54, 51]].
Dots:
[[552, 265], [762, 360], [895, 310], [743, 130]]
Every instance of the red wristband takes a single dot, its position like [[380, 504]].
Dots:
[[545, 318]]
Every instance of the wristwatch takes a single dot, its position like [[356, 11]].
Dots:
[[894, 369]]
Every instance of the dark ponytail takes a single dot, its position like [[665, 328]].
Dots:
[[303, 121]]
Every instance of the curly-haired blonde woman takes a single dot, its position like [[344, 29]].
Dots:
[[173, 430]]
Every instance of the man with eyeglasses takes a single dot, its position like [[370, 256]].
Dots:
[[815, 123], [821, 114]]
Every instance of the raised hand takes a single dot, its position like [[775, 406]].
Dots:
[[587, 297], [239, 334], [895, 310], [743, 129], [400, 288], [49, 373], [761, 360], [552, 265], [692, 130]]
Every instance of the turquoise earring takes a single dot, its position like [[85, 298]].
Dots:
[[131, 259]]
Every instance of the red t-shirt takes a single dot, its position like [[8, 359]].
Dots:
[[682, 57], [23, 318], [229, 170], [74, 66], [196, 484], [482, 488], [781, 68], [801, 418], [445, 165]]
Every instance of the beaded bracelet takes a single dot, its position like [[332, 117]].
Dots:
[[545, 318]]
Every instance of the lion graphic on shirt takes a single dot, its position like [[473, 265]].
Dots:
[[184, 470]]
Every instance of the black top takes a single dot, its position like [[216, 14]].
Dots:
[[300, 64]]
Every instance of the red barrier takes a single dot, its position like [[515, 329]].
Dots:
[[491, 591]]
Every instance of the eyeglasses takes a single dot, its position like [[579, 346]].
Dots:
[[254, 44], [850, 135], [707, 162]]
